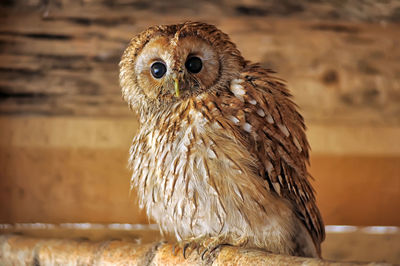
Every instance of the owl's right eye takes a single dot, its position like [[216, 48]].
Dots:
[[158, 70]]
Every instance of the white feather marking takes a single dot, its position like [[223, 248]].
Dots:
[[216, 125], [270, 119], [237, 81], [277, 187], [296, 142], [184, 143], [202, 168], [211, 154], [180, 208], [260, 112], [280, 179], [177, 235], [164, 152], [201, 96], [144, 173], [237, 89], [252, 101], [135, 165], [237, 191], [247, 127], [270, 167], [284, 129], [234, 119], [153, 136], [122, 72], [199, 119]]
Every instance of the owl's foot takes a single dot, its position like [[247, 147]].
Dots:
[[210, 245], [187, 246], [205, 246]]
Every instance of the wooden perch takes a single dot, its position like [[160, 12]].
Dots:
[[24, 250]]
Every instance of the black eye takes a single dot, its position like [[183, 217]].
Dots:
[[194, 64], [158, 69]]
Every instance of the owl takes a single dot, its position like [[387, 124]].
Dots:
[[220, 157]]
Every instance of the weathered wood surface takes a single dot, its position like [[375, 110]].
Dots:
[[81, 164], [351, 244], [22, 250], [341, 59]]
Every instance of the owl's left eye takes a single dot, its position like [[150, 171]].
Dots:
[[194, 64], [158, 70]]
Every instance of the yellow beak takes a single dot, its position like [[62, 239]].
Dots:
[[176, 84]]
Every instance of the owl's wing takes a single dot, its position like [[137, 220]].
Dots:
[[279, 141]]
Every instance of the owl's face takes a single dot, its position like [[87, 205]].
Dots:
[[168, 64], [168, 68]]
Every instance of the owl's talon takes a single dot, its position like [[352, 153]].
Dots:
[[215, 248], [198, 250], [175, 248], [203, 254], [185, 247], [205, 246], [210, 251]]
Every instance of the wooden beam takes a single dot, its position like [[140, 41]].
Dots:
[[356, 170], [66, 63], [16, 249], [106, 132]]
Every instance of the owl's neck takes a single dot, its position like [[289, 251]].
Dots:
[[156, 113]]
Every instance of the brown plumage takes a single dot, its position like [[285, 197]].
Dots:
[[221, 154]]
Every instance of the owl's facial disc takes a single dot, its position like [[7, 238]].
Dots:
[[167, 69]]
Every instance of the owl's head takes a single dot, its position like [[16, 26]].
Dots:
[[170, 63]]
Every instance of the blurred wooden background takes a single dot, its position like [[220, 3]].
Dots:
[[65, 132]]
